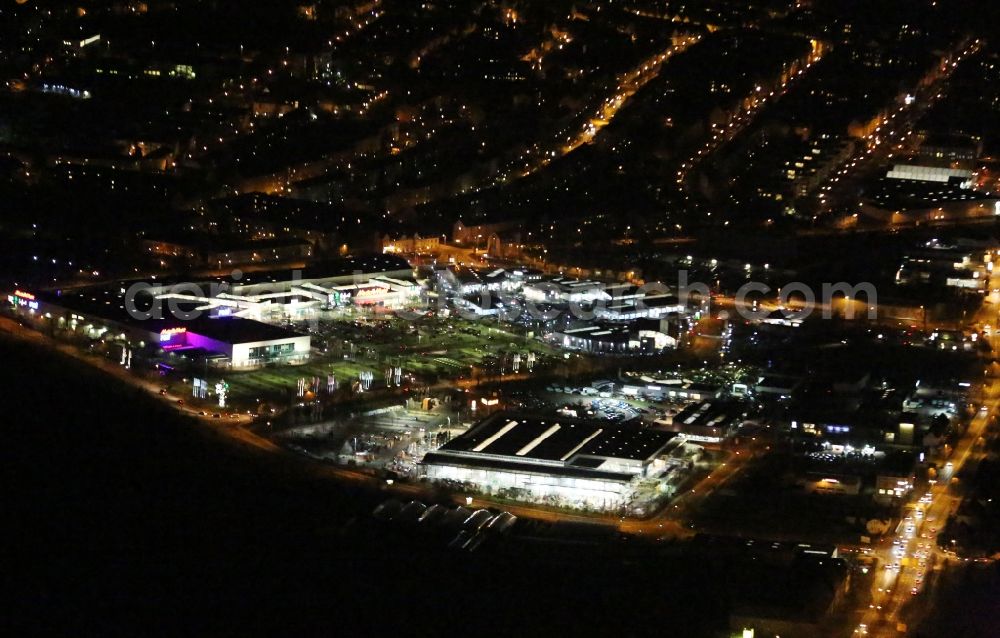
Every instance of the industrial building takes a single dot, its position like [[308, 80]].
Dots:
[[777, 385], [670, 389], [939, 264], [592, 464], [705, 421], [908, 194]]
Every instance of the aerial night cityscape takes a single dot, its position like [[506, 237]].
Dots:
[[674, 318]]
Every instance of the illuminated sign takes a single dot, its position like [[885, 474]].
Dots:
[[168, 333], [221, 390], [21, 299], [371, 295], [373, 291]]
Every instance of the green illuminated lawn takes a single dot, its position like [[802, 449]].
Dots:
[[439, 350]]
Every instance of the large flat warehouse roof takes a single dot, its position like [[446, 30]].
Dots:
[[556, 440]]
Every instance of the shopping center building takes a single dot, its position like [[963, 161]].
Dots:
[[100, 314], [377, 281], [569, 461]]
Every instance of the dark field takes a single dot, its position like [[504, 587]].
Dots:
[[124, 518]]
